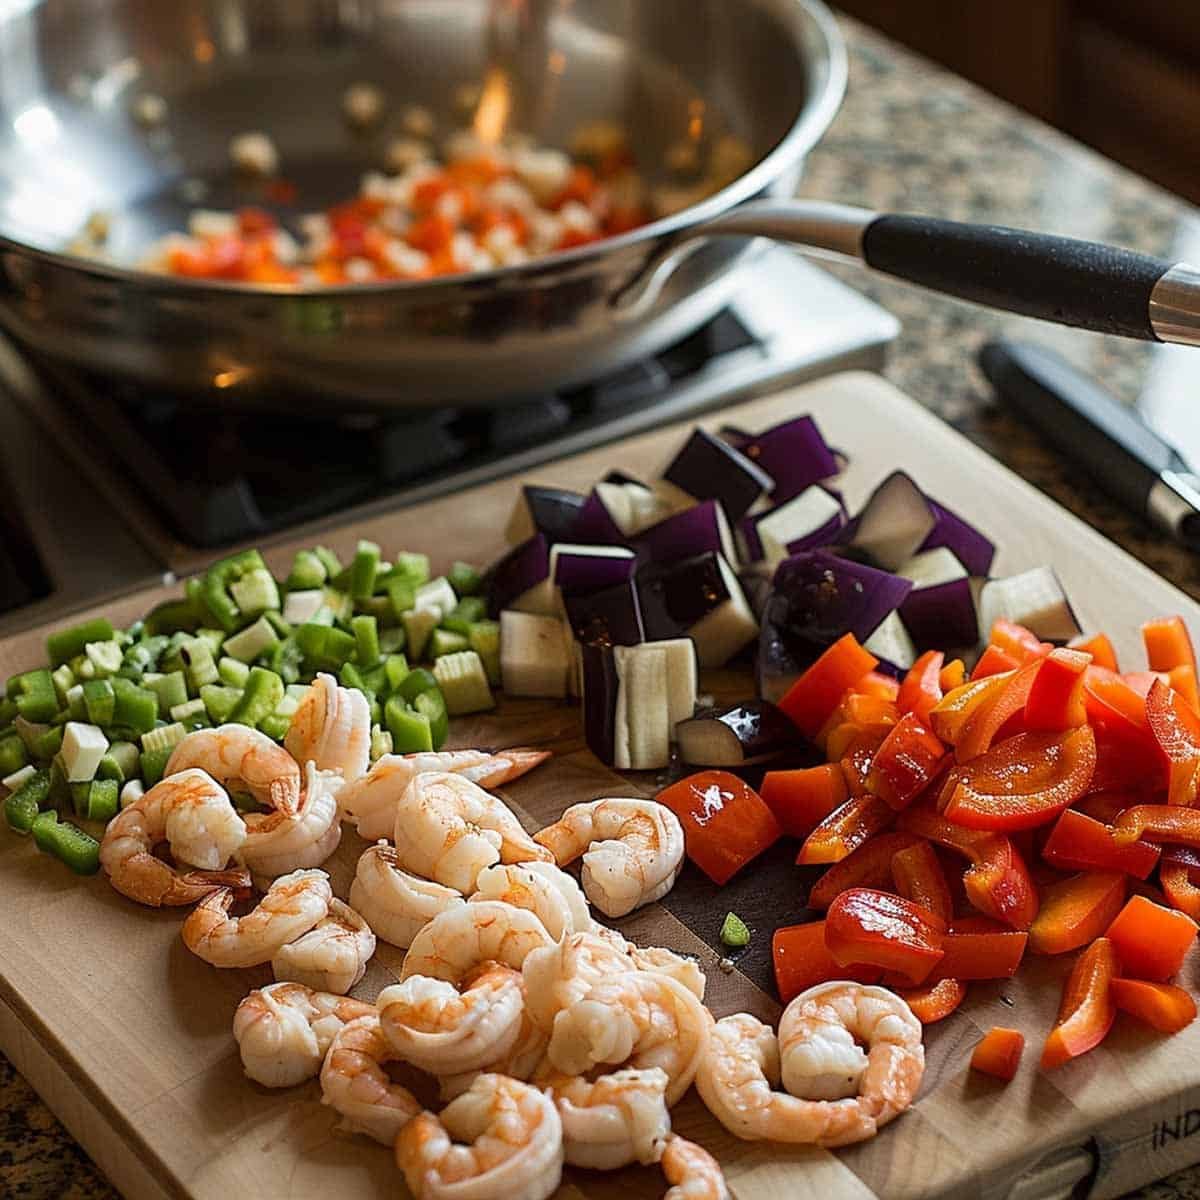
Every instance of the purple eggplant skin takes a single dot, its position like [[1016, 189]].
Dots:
[[709, 469], [794, 455], [521, 568], [675, 596], [600, 686], [578, 574], [776, 665], [612, 617], [682, 535], [594, 524], [830, 596], [757, 729], [941, 616], [554, 511], [823, 535], [969, 546]]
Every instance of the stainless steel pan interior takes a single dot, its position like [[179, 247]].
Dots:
[[771, 72]]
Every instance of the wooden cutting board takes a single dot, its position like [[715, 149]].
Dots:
[[127, 1035]]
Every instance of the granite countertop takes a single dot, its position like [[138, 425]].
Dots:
[[909, 137]]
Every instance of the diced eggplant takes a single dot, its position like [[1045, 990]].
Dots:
[[688, 533], [709, 469], [547, 510], [962, 539], [735, 436], [807, 521], [829, 596], [776, 665], [755, 579], [600, 687], [894, 522], [682, 679], [521, 580], [616, 511], [578, 570], [1035, 599], [794, 455], [595, 524], [940, 610], [892, 645], [701, 598], [536, 655], [612, 617], [744, 733]]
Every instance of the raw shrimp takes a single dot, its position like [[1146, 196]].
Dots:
[[332, 727], [559, 975], [448, 829], [277, 842], [394, 903], [640, 1019], [293, 905], [284, 1030], [612, 1121], [679, 967], [525, 1057], [355, 1082], [332, 956], [740, 1073], [191, 812], [501, 1138], [448, 1031], [534, 886], [370, 801], [242, 759], [693, 1173], [457, 941], [632, 850]]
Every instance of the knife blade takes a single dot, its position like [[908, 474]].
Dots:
[[1104, 437]]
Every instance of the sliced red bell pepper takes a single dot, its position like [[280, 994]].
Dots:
[[986, 722], [1183, 682], [856, 758], [1162, 1006], [917, 874], [1179, 888], [994, 661], [869, 866], [1076, 911], [1112, 702], [1150, 939], [1080, 843], [1159, 823], [801, 799], [801, 961], [1176, 728], [725, 822], [934, 1002], [954, 674], [1022, 782], [810, 700], [1023, 644], [844, 830], [999, 1053], [1099, 647], [905, 763], [1168, 644], [1142, 681], [984, 954], [1087, 1010], [1107, 806], [1056, 699], [922, 687], [950, 715], [878, 685], [868, 926], [1126, 758], [870, 711]]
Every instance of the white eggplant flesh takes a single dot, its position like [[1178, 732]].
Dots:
[[721, 633], [932, 567], [642, 732], [895, 521], [891, 643], [798, 518], [537, 657], [682, 677], [1035, 599], [540, 600]]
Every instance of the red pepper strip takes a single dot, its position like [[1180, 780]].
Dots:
[[1099, 647], [1107, 806], [982, 726], [882, 687], [869, 866], [1079, 843], [1152, 940], [868, 926], [801, 961], [1162, 1006], [934, 1001], [1076, 911], [856, 760], [1177, 886], [1109, 697], [1016, 640], [1183, 682], [1176, 729], [1087, 1011], [997, 882], [999, 1054], [801, 799], [725, 822], [844, 830], [995, 953], [922, 687], [951, 714], [1056, 698], [1124, 760], [810, 700], [917, 873], [994, 661], [1142, 681], [1168, 644], [954, 674], [1163, 822], [905, 763]]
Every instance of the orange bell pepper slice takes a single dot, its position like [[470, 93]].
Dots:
[[868, 926], [811, 699], [953, 674], [906, 762], [869, 866], [801, 961], [1150, 939], [1168, 644], [950, 715], [1099, 647], [870, 711], [994, 661], [993, 953], [1112, 702], [1162, 1006], [986, 722], [1023, 782], [1056, 698], [878, 685], [1106, 806], [725, 822], [802, 799], [917, 874], [922, 686], [844, 830], [999, 1053], [934, 1001], [1179, 887], [1076, 911], [1087, 1010], [1162, 822], [1183, 682], [1176, 728], [1080, 843], [1015, 640]]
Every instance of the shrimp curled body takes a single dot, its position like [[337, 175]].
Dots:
[[693, 1173], [396, 905], [457, 941], [278, 842], [330, 957], [241, 758], [332, 728]]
